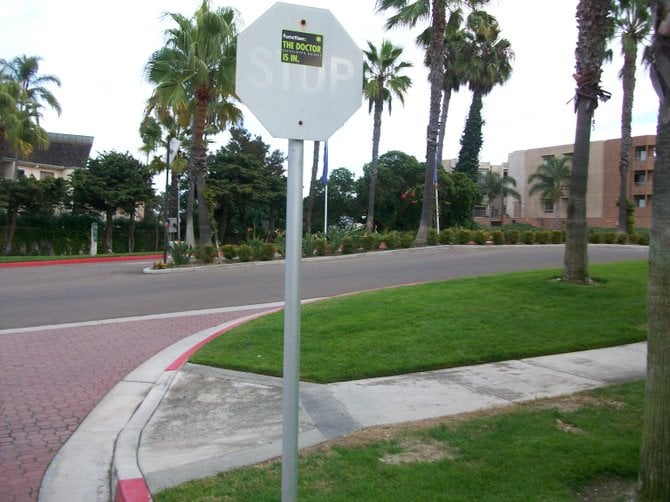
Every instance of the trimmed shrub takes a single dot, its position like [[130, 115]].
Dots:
[[643, 239], [407, 239], [512, 236], [633, 238], [308, 245], [265, 252], [498, 237], [621, 239], [463, 236], [206, 254], [229, 252], [367, 242], [544, 237], [528, 237], [595, 238], [245, 252], [610, 237], [321, 246], [392, 240], [432, 237], [557, 236], [479, 237], [348, 246], [446, 236]]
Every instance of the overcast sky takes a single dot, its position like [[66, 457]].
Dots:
[[99, 50]]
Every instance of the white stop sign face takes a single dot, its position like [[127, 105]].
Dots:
[[299, 72]]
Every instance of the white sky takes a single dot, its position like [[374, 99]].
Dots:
[[99, 50]]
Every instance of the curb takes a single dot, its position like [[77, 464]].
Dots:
[[127, 480], [74, 261]]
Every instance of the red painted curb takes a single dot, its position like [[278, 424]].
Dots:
[[132, 490], [72, 261]]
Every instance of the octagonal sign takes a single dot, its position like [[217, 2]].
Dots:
[[299, 72]]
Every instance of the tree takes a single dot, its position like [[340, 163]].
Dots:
[[343, 207], [654, 478], [382, 81], [633, 23], [194, 75], [489, 64], [494, 185], [458, 196], [549, 180], [594, 26], [109, 182]]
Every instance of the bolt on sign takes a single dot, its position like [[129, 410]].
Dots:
[[299, 72]]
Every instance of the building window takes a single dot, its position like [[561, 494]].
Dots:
[[548, 206], [640, 178], [20, 173], [641, 153], [46, 174], [545, 159], [640, 201]]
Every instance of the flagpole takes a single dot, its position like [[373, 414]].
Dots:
[[324, 181], [325, 211]]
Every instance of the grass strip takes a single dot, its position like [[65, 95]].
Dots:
[[574, 447], [446, 324]]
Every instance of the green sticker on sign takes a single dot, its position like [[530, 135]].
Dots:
[[298, 47]]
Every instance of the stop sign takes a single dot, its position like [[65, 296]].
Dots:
[[299, 72]]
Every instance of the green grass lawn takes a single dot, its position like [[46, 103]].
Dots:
[[446, 324], [558, 449]]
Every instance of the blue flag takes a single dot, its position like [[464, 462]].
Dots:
[[324, 176]]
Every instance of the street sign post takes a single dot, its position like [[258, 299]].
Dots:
[[301, 75]]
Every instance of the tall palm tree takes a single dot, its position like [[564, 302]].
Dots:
[[382, 81], [595, 26], [550, 180], [490, 64], [494, 185], [311, 198], [633, 24], [654, 477], [34, 90], [194, 75]]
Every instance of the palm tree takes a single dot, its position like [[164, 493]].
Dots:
[[194, 75], [24, 70], [549, 180], [489, 64], [595, 27], [654, 477], [409, 13], [382, 81], [494, 185], [633, 24]]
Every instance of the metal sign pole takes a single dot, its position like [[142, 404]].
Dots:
[[292, 295]]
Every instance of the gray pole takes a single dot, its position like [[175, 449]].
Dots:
[[292, 295]]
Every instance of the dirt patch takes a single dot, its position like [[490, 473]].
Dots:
[[611, 489], [566, 427], [415, 449]]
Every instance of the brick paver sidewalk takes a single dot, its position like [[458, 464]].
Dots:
[[51, 379]]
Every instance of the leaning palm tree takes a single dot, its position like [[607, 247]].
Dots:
[[654, 472], [490, 64], [595, 27], [550, 182], [633, 23], [194, 75], [382, 81], [494, 185]]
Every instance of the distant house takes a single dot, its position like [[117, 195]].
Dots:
[[66, 152]]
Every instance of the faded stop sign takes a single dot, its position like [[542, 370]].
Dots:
[[299, 72]]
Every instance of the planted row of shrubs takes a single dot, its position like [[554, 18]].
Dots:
[[353, 241]]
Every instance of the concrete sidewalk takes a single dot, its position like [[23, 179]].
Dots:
[[193, 421]]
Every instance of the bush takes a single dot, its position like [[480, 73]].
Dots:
[[621, 239], [529, 237], [633, 238], [392, 240], [181, 253], [643, 239], [206, 254], [321, 246], [446, 236], [544, 237], [498, 237], [229, 252], [512, 236], [266, 252], [367, 242], [463, 236], [245, 252], [610, 237], [557, 236], [595, 238], [480, 237], [432, 237], [348, 246], [308, 245], [407, 239]]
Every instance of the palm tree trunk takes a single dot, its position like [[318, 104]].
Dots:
[[435, 77], [199, 166], [189, 238], [654, 481], [628, 84], [444, 112], [376, 135], [312, 188]]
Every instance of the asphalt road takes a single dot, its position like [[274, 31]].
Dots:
[[47, 295]]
